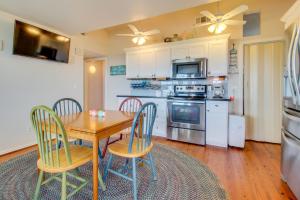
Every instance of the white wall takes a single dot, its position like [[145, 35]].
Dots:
[[115, 85], [25, 82]]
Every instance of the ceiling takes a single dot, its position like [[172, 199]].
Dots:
[[77, 16]]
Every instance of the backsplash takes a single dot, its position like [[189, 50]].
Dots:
[[165, 88]]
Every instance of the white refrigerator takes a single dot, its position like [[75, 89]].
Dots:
[[290, 159]]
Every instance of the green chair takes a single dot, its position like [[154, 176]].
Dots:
[[54, 160], [67, 106], [137, 148]]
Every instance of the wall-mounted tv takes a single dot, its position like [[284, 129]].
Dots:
[[35, 42]]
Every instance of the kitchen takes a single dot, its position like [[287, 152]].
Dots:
[[192, 88]]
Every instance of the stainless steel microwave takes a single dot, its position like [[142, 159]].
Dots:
[[190, 68]]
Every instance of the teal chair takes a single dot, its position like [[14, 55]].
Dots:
[[59, 162], [67, 106], [137, 148]]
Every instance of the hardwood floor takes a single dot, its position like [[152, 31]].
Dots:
[[250, 173]]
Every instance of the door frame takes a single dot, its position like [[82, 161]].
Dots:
[[250, 42], [104, 59], [253, 41]]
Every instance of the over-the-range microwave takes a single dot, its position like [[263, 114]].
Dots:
[[190, 68]]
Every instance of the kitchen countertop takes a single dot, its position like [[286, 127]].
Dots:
[[163, 97]]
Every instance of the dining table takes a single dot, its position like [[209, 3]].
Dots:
[[95, 128]]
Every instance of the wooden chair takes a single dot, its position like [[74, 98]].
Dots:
[[130, 104], [67, 106], [55, 160], [135, 148]]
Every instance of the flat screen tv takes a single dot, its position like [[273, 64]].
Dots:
[[35, 42]]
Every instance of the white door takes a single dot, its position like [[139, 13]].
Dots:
[[147, 64], [163, 65], [94, 85], [198, 51], [180, 52], [263, 91], [217, 58], [132, 65]]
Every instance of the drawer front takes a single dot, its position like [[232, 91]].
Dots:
[[217, 106]]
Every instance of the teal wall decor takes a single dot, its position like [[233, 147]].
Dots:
[[118, 70]]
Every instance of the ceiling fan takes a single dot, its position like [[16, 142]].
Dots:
[[218, 23], [139, 37]]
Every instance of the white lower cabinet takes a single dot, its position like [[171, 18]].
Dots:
[[217, 123], [160, 124]]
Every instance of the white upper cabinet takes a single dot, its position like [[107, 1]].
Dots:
[[155, 61], [147, 64], [133, 65], [180, 52], [163, 64], [190, 51], [198, 50], [217, 58]]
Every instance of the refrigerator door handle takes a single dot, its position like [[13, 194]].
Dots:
[[297, 119], [294, 54], [290, 137], [289, 63]]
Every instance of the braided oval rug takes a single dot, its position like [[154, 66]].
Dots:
[[180, 177]]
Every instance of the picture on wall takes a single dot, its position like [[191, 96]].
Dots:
[[118, 70]]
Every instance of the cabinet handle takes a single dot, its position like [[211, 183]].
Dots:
[[207, 110], [216, 105]]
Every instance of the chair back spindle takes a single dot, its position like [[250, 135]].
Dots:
[[67, 106], [48, 127], [144, 122], [130, 104]]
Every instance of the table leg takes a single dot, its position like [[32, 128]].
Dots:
[[95, 168]]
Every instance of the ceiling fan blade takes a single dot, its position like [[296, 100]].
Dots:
[[209, 15], [234, 22], [235, 12], [126, 35], [203, 24], [151, 32], [133, 28]]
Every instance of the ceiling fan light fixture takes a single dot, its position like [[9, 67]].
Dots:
[[141, 41], [220, 28], [135, 40], [212, 28]]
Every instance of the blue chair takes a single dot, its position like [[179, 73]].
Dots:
[[67, 106], [137, 147]]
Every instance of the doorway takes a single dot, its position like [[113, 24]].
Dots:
[[94, 84], [263, 78]]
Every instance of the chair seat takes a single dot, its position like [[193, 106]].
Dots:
[[121, 149], [79, 155], [69, 139]]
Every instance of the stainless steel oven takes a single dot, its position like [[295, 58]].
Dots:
[[186, 115], [190, 68]]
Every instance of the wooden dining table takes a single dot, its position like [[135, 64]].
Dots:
[[93, 128]]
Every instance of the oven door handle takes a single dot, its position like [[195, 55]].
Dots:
[[187, 103]]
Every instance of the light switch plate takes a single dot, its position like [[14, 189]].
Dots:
[[2, 45]]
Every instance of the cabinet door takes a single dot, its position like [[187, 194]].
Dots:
[[160, 123], [217, 58], [163, 66], [132, 65], [147, 64], [217, 134], [180, 52], [198, 51]]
